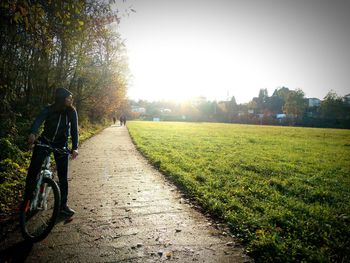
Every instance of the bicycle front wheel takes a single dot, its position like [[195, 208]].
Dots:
[[37, 220]]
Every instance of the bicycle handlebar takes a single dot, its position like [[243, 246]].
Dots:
[[64, 150]]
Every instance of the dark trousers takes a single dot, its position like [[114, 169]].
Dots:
[[38, 157]]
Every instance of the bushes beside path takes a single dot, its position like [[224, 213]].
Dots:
[[14, 161]]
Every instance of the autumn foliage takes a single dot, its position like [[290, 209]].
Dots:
[[50, 44]]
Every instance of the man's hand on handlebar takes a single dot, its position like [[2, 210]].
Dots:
[[75, 154], [31, 141]]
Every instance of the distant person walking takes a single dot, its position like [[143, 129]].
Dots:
[[114, 120], [122, 120]]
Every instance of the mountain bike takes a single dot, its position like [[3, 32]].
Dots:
[[40, 208]]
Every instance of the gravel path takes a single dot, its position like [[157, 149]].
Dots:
[[126, 211]]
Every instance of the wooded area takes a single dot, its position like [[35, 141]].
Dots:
[[49, 44]]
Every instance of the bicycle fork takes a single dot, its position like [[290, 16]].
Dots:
[[37, 194]]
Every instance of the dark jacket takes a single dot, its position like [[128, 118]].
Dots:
[[58, 126]]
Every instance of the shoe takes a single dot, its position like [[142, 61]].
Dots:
[[65, 210]]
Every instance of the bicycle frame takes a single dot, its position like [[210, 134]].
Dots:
[[41, 194], [39, 211]]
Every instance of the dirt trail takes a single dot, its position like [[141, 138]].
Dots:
[[127, 212]]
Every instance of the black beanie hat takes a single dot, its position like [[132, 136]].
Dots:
[[62, 93]]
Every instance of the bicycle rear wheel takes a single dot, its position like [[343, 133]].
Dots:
[[37, 222]]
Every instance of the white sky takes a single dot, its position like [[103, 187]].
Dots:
[[183, 48]]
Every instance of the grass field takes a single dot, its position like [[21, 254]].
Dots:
[[284, 191]]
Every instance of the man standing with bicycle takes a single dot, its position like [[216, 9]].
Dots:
[[60, 120]]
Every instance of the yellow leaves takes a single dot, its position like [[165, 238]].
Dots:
[[26, 23], [23, 11], [278, 229], [260, 232], [17, 17], [58, 14]]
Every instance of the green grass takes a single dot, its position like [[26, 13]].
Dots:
[[283, 191]]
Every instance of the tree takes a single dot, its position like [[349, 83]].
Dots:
[[262, 99], [295, 103], [190, 111], [207, 110], [278, 99], [47, 44], [275, 104], [232, 109], [282, 93], [333, 107]]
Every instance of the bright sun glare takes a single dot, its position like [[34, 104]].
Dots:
[[177, 50], [183, 70]]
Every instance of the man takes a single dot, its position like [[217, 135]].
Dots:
[[60, 120]]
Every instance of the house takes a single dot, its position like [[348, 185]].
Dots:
[[165, 111], [281, 116], [138, 109], [313, 102]]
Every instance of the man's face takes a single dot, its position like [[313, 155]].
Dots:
[[68, 101]]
